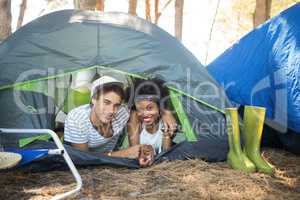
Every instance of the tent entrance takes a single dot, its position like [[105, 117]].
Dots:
[[72, 89]]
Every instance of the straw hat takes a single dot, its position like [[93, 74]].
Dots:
[[9, 160]]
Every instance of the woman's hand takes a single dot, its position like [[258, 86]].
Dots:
[[146, 157], [142, 152]]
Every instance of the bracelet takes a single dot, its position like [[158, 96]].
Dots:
[[109, 154]]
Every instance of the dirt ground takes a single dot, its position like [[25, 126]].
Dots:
[[191, 179]]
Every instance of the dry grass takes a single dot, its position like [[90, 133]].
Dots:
[[192, 179]]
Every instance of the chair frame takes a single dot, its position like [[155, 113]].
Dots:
[[59, 151]]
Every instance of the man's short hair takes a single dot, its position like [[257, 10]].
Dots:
[[110, 87]]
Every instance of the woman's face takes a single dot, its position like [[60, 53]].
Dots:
[[147, 111]]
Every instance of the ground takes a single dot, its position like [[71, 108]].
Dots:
[[191, 179]]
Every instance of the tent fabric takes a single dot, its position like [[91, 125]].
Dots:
[[68, 40], [205, 149], [289, 141], [262, 69], [25, 109], [59, 44]]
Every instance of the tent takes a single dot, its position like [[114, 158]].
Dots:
[[44, 67], [263, 69]]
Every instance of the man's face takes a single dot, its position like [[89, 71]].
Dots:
[[106, 106]]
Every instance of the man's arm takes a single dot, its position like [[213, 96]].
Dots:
[[73, 133], [131, 152], [169, 121], [167, 142], [81, 147]]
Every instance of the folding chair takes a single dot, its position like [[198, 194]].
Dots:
[[59, 151]]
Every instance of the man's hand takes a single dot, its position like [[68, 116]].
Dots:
[[146, 157], [170, 125]]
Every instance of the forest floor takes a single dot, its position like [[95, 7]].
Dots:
[[190, 179]]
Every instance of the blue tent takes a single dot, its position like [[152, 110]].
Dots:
[[263, 69]]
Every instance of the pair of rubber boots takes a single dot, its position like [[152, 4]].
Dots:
[[249, 159]]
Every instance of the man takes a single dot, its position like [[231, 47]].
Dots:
[[99, 125]]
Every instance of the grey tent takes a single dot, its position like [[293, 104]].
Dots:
[[40, 64]]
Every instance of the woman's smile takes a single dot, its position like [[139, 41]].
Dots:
[[147, 119]]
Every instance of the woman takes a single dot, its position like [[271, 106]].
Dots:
[[146, 125]]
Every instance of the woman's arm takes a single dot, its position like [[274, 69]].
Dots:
[[134, 129]]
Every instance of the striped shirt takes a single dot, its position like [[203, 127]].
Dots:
[[79, 129]]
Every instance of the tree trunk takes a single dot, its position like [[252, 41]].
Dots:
[[22, 13], [178, 18], [86, 4], [132, 7], [158, 12], [76, 4], [100, 5], [148, 10], [262, 12], [5, 19]]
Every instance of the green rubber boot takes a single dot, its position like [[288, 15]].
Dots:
[[253, 126], [235, 157]]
